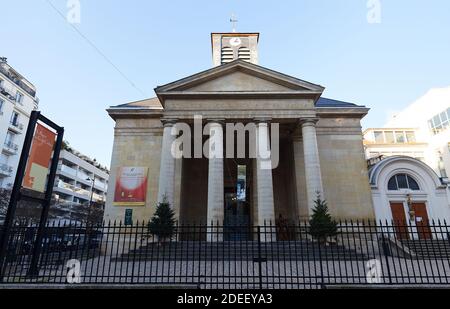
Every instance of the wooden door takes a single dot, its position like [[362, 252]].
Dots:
[[422, 221], [399, 220]]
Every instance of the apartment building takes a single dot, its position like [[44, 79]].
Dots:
[[17, 101], [393, 142], [422, 131], [79, 179]]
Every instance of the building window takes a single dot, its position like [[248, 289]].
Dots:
[[394, 137], [440, 122], [410, 137], [15, 118], [402, 181], [9, 137], [19, 97], [2, 102], [399, 137], [389, 137], [379, 138]]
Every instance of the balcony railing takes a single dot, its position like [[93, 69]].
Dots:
[[12, 147], [68, 170], [7, 93], [5, 169], [64, 185], [17, 81], [97, 197], [101, 185], [16, 125]]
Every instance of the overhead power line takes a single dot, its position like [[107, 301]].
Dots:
[[102, 54]]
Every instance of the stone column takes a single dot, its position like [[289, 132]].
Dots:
[[264, 184], [312, 162], [167, 166], [215, 213]]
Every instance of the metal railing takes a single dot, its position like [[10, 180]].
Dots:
[[73, 188], [17, 81], [17, 125], [68, 170], [11, 146], [6, 169], [8, 93], [271, 256]]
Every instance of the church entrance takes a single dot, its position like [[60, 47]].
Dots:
[[237, 200]]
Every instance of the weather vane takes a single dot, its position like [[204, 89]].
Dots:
[[233, 21]]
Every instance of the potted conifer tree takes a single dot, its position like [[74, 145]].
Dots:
[[321, 225], [162, 224]]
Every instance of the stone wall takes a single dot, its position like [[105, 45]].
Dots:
[[344, 168], [137, 142]]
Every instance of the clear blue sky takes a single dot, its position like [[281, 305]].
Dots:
[[383, 66]]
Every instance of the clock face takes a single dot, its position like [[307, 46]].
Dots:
[[235, 41]]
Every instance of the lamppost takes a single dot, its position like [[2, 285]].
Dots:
[[90, 200]]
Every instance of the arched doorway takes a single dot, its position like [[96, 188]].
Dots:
[[408, 193]]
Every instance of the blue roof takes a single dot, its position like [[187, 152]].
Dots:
[[324, 102]]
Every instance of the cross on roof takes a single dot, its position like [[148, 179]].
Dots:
[[233, 21]]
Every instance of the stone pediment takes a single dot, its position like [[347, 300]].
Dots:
[[239, 81], [239, 78]]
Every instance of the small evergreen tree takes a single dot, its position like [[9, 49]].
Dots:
[[162, 224], [321, 225]]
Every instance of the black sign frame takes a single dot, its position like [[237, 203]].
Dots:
[[19, 193]]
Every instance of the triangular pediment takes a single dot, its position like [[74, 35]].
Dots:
[[239, 77], [239, 81]]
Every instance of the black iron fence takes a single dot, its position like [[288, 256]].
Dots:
[[271, 256]]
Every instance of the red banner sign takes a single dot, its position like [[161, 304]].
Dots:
[[39, 159], [131, 186]]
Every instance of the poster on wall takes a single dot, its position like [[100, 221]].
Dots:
[[39, 160], [131, 186]]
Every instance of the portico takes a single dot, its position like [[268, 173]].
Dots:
[[216, 171]]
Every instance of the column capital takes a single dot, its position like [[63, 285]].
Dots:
[[312, 121], [220, 121], [262, 119], [168, 122]]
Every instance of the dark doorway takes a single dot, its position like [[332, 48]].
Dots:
[[237, 201]]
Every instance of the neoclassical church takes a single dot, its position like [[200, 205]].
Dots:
[[320, 146]]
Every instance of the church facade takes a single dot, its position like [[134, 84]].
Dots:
[[318, 144]]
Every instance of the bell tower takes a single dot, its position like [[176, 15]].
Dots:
[[230, 46]]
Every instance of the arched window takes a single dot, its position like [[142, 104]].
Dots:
[[227, 55], [244, 54], [402, 181]]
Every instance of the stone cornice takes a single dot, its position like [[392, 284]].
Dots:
[[116, 113], [220, 95], [342, 112]]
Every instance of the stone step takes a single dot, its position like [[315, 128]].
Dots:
[[429, 248], [238, 258], [239, 250]]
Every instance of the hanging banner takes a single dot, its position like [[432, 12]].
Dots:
[[39, 160], [131, 186]]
